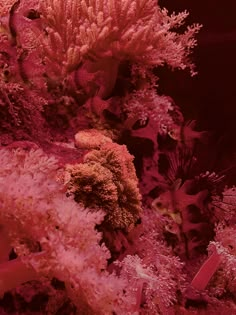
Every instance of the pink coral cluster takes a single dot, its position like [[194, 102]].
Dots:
[[102, 210]]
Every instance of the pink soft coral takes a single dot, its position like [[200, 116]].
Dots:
[[52, 234]]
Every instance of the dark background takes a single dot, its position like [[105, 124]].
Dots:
[[209, 97]]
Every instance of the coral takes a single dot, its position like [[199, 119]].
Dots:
[[157, 108], [226, 248], [91, 139], [105, 207], [224, 205], [150, 267], [20, 113], [51, 233], [217, 273], [111, 29], [186, 222], [20, 39], [148, 116], [106, 179]]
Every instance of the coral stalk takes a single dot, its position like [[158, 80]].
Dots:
[[206, 271], [13, 273]]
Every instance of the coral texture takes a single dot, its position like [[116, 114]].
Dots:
[[106, 179], [105, 206]]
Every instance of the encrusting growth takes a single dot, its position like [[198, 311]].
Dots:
[[106, 179]]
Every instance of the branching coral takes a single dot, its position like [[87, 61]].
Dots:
[[218, 272], [70, 208], [150, 267], [187, 222], [127, 29], [150, 284], [157, 108], [51, 233], [83, 45], [225, 244]]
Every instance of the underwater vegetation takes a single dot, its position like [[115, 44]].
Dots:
[[108, 205]]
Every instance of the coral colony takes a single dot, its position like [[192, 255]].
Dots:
[[99, 214]]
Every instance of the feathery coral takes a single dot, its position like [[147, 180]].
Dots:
[[124, 30], [41, 219]]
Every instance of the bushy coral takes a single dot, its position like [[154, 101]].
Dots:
[[51, 233], [186, 222], [98, 198], [154, 274], [224, 279], [224, 205], [127, 29]]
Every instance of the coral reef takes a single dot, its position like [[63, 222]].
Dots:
[[105, 206]]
